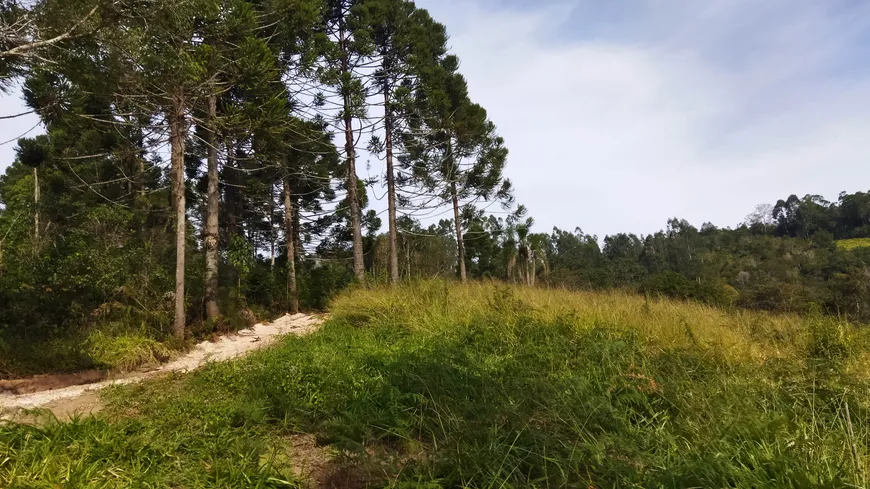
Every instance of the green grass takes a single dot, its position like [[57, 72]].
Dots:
[[440, 385], [851, 244], [112, 347]]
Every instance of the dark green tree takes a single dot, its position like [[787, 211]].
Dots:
[[453, 149]]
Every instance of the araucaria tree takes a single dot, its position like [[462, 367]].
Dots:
[[344, 54], [453, 149], [407, 42]]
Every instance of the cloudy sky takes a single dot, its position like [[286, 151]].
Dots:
[[622, 113]]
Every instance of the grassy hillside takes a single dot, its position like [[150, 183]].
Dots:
[[441, 385]]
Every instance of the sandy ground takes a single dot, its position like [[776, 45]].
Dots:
[[84, 399]]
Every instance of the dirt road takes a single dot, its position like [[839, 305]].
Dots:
[[84, 399]]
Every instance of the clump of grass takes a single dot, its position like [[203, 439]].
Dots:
[[23, 356], [125, 351], [532, 388], [485, 385]]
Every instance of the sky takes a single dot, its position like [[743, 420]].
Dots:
[[620, 114]]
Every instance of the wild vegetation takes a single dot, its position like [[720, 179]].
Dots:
[[438, 384], [199, 170], [801, 256]]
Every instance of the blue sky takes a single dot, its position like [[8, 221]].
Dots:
[[622, 113]]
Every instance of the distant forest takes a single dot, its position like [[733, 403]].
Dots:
[[800, 255], [200, 169]]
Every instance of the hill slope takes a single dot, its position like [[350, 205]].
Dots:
[[437, 384]]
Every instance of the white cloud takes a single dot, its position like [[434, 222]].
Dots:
[[619, 135]]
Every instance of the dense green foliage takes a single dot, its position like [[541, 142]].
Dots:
[[190, 177], [442, 385]]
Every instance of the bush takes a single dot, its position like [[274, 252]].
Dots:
[[320, 283], [830, 341], [677, 286]]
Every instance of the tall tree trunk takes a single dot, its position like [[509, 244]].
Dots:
[[140, 165], [141, 178], [234, 191], [297, 230], [359, 267], [177, 132], [291, 254], [212, 243], [272, 225], [408, 256], [460, 246], [131, 168], [35, 203], [533, 270], [391, 188]]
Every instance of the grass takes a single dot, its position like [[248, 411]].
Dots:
[[439, 385], [113, 347], [851, 244], [126, 351], [120, 345]]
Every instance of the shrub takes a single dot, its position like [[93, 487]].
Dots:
[[677, 286], [829, 340]]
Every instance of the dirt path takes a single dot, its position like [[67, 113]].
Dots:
[[67, 401]]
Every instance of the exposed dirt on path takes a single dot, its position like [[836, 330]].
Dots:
[[45, 382], [80, 395]]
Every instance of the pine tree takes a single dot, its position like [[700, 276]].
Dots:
[[166, 76], [33, 152], [405, 41], [454, 151], [343, 55]]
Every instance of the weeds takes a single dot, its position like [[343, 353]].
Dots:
[[127, 351], [489, 386]]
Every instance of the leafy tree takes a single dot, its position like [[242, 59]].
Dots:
[[405, 41], [33, 153]]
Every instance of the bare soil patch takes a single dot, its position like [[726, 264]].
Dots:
[[46, 382]]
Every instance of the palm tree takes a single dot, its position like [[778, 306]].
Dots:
[[524, 251], [537, 246]]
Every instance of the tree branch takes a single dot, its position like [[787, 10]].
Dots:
[[25, 49]]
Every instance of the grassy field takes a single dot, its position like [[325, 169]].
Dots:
[[440, 385], [851, 244]]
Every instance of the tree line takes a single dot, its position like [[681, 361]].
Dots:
[[201, 158], [800, 255]]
